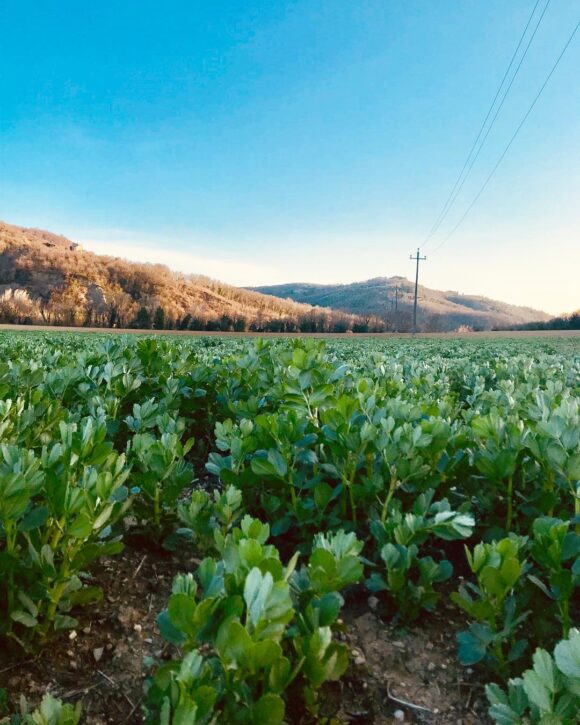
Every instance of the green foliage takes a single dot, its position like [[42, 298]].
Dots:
[[403, 444], [548, 693], [409, 578], [493, 604], [160, 473], [252, 629], [57, 513], [206, 519], [51, 711], [556, 552]]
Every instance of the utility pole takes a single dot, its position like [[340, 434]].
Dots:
[[418, 259]]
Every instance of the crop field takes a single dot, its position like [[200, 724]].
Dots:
[[233, 530]]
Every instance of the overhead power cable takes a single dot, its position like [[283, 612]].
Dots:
[[512, 139], [471, 157]]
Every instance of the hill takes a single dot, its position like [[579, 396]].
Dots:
[[47, 278], [392, 299]]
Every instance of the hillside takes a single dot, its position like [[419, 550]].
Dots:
[[437, 310], [46, 278]]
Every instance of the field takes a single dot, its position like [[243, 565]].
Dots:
[[496, 334], [230, 530]]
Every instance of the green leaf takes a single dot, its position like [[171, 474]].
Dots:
[[28, 603], [278, 462], [181, 610], [322, 495], [544, 667], [269, 710], [81, 527], [86, 595], [24, 618], [185, 713], [168, 630], [262, 467], [536, 690], [495, 695], [473, 643], [34, 519], [503, 714], [567, 655], [257, 589], [233, 642], [266, 653], [329, 606], [63, 621]]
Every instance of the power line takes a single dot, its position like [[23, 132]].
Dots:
[[513, 138], [462, 177], [484, 139]]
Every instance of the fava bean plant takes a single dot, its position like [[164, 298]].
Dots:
[[298, 472]]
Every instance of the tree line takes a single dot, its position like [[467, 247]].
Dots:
[[74, 305], [561, 322]]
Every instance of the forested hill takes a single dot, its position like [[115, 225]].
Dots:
[[392, 298], [48, 279]]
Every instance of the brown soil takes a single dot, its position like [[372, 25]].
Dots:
[[102, 661], [411, 674]]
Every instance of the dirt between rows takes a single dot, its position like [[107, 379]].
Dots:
[[395, 674]]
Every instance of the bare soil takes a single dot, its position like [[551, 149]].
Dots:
[[394, 673]]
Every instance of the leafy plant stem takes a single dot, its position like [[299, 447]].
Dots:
[[509, 516], [390, 493]]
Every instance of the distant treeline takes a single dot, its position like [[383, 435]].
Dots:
[[563, 322], [318, 321], [68, 308]]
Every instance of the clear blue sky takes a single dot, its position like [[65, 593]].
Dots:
[[271, 141]]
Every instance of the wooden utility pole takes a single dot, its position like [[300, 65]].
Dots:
[[418, 259]]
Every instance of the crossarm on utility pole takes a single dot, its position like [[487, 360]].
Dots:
[[417, 257]]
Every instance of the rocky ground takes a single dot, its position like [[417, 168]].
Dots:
[[396, 675]]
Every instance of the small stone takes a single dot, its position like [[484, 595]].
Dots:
[[72, 634], [109, 647], [443, 667], [429, 645], [74, 665], [360, 659], [373, 603], [138, 628], [431, 666], [469, 670], [70, 653], [86, 630], [399, 715], [148, 640], [98, 653]]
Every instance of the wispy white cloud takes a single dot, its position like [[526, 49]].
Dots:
[[323, 259], [227, 269]]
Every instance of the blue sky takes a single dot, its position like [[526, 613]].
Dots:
[[279, 141]]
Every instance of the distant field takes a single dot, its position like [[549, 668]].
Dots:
[[320, 335]]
